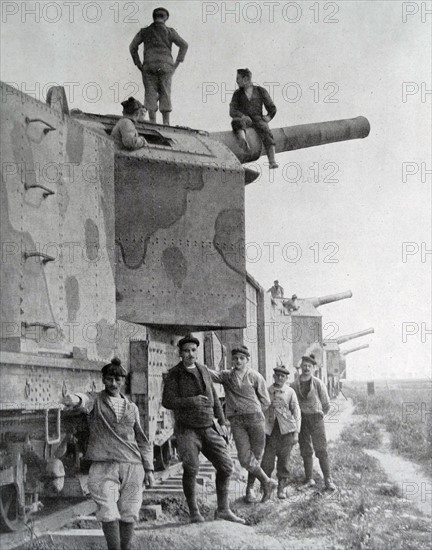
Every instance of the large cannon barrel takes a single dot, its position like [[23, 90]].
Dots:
[[352, 350], [316, 302], [290, 138], [347, 337]]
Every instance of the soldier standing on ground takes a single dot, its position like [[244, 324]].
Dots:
[[124, 132], [246, 399], [189, 392], [283, 419], [314, 404], [158, 66], [246, 110], [118, 450]]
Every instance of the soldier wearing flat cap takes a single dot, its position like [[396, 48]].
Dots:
[[158, 65], [124, 132], [283, 419], [121, 455], [246, 400], [189, 392], [314, 404]]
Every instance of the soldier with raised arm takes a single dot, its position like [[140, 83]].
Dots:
[[246, 398], [121, 456], [158, 65], [314, 404]]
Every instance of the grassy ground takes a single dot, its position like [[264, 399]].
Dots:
[[405, 410], [365, 513]]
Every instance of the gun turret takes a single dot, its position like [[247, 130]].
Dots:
[[302, 136], [352, 350], [316, 302], [347, 337]]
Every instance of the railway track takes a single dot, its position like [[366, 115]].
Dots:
[[50, 525]]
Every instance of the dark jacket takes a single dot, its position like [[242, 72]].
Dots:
[[181, 387], [240, 104], [157, 39]]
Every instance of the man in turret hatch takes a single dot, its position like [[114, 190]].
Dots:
[[276, 290], [124, 132], [246, 110], [158, 66]]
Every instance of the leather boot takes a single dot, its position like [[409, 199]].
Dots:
[[189, 489], [267, 484], [250, 494], [126, 535], [112, 534], [271, 156], [325, 468], [281, 488], [223, 510], [166, 118], [308, 468], [242, 140]]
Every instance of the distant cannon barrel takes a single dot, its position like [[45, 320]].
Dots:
[[352, 350], [302, 136], [347, 337], [316, 302]]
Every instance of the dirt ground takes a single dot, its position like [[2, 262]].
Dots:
[[303, 521]]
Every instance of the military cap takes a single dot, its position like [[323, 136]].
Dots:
[[114, 368], [244, 72], [309, 358], [294, 297], [282, 369], [240, 349], [131, 105], [189, 339], [157, 10]]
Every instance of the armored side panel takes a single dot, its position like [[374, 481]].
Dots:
[[179, 230], [306, 333], [254, 334], [150, 360], [57, 230]]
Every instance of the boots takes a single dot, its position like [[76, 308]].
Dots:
[[152, 116], [166, 118], [223, 510], [126, 535], [112, 534], [267, 484], [243, 142], [325, 468], [250, 494], [271, 156], [283, 482], [308, 468], [189, 489]]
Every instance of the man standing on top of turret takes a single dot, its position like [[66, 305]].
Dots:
[[158, 66], [246, 110], [276, 290]]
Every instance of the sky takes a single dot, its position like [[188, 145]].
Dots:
[[347, 216]]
